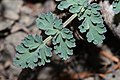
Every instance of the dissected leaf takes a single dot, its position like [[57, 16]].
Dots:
[[74, 6], [63, 43], [32, 52], [48, 22], [45, 21], [116, 6], [92, 24], [63, 40], [91, 17]]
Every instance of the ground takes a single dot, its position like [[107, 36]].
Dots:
[[17, 20]]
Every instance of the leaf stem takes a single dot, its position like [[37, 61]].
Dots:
[[64, 25], [47, 39], [69, 20]]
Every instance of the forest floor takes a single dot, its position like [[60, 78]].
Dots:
[[17, 20]]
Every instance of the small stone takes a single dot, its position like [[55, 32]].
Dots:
[[12, 41], [45, 74], [5, 24], [11, 15], [2, 77], [16, 27], [15, 38], [37, 9], [26, 10], [27, 20], [13, 5], [15, 70], [49, 6], [2, 45], [10, 49]]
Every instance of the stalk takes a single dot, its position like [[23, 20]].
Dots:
[[64, 25]]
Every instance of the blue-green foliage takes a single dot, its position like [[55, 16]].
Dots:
[[91, 17], [116, 6], [63, 43], [74, 6], [63, 40], [92, 24], [32, 52]]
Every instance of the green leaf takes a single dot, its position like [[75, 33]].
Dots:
[[116, 6], [45, 21], [32, 52], [74, 6], [51, 32], [91, 17], [92, 24], [64, 5], [49, 22], [63, 43], [63, 40]]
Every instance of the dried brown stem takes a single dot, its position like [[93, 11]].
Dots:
[[109, 56]]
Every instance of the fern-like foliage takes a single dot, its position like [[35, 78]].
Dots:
[[92, 24], [91, 17], [63, 40], [63, 43], [74, 6], [32, 52], [116, 6]]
